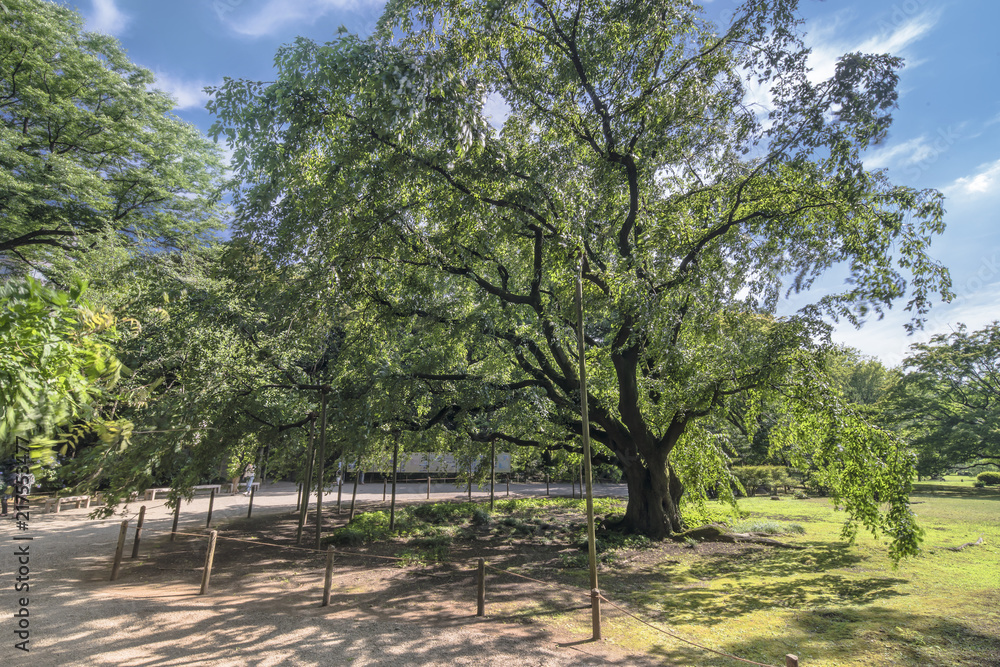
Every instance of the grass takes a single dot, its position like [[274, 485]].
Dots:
[[832, 604]]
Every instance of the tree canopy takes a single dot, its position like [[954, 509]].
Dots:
[[629, 151], [88, 147], [948, 400]]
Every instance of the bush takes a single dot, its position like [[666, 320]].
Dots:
[[988, 478], [979, 485], [754, 477]]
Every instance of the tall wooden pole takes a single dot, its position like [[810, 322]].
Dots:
[[395, 466], [320, 459], [307, 484], [354, 495], [493, 475], [591, 533]]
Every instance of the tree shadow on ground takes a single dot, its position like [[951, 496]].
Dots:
[[966, 492], [265, 598]]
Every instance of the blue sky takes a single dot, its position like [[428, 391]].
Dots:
[[946, 133]]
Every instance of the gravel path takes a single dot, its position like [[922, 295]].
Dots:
[[77, 617]]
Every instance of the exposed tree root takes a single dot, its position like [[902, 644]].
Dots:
[[967, 544], [714, 532]]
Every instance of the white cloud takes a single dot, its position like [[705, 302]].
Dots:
[[276, 14], [908, 152], [827, 45], [188, 94], [107, 18], [986, 180]]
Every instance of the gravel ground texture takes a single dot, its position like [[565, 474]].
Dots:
[[263, 615]]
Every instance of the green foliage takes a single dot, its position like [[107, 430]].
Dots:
[[88, 149], [56, 363], [988, 478], [628, 158], [753, 477], [947, 403]]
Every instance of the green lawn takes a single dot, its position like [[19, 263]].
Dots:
[[832, 604]]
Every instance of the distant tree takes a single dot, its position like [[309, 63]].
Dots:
[[948, 400], [88, 148]]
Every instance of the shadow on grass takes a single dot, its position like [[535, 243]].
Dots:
[[967, 492], [855, 636]]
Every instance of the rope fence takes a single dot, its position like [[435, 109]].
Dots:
[[330, 553]]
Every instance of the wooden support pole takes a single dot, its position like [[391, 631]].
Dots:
[[470, 480], [340, 485], [546, 481], [307, 483], [493, 469], [385, 480], [120, 550], [138, 531], [298, 501], [354, 495], [791, 660], [253, 492], [481, 589], [211, 506], [320, 462], [177, 516], [508, 484], [587, 460], [392, 503], [428, 487], [209, 557], [328, 579]]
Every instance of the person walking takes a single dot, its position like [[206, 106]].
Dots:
[[249, 474]]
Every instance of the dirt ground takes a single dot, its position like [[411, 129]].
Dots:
[[263, 604]]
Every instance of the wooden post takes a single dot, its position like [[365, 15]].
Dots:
[[320, 461], [209, 557], [298, 501], [481, 589], [211, 505], [340, 484], [586, 463], [395, 466], [546, 481], [177, 515], [121, 548], [253, 492], [595, 613], [385, 480], [791, 660], [428, 487], [138, 531], [328, 580], [307, 483], [508, 484], [354, 495], [493, 469], [470, 480]]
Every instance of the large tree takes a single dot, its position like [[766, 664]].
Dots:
[[629, 148], [948, 400], [88, 147]]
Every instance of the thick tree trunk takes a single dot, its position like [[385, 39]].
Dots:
[[654, 494]]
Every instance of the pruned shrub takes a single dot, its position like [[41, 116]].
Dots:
[[988, 478]]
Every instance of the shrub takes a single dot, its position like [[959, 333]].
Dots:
[[979, 485], [347, 537], [988, 478], [480, 517]]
